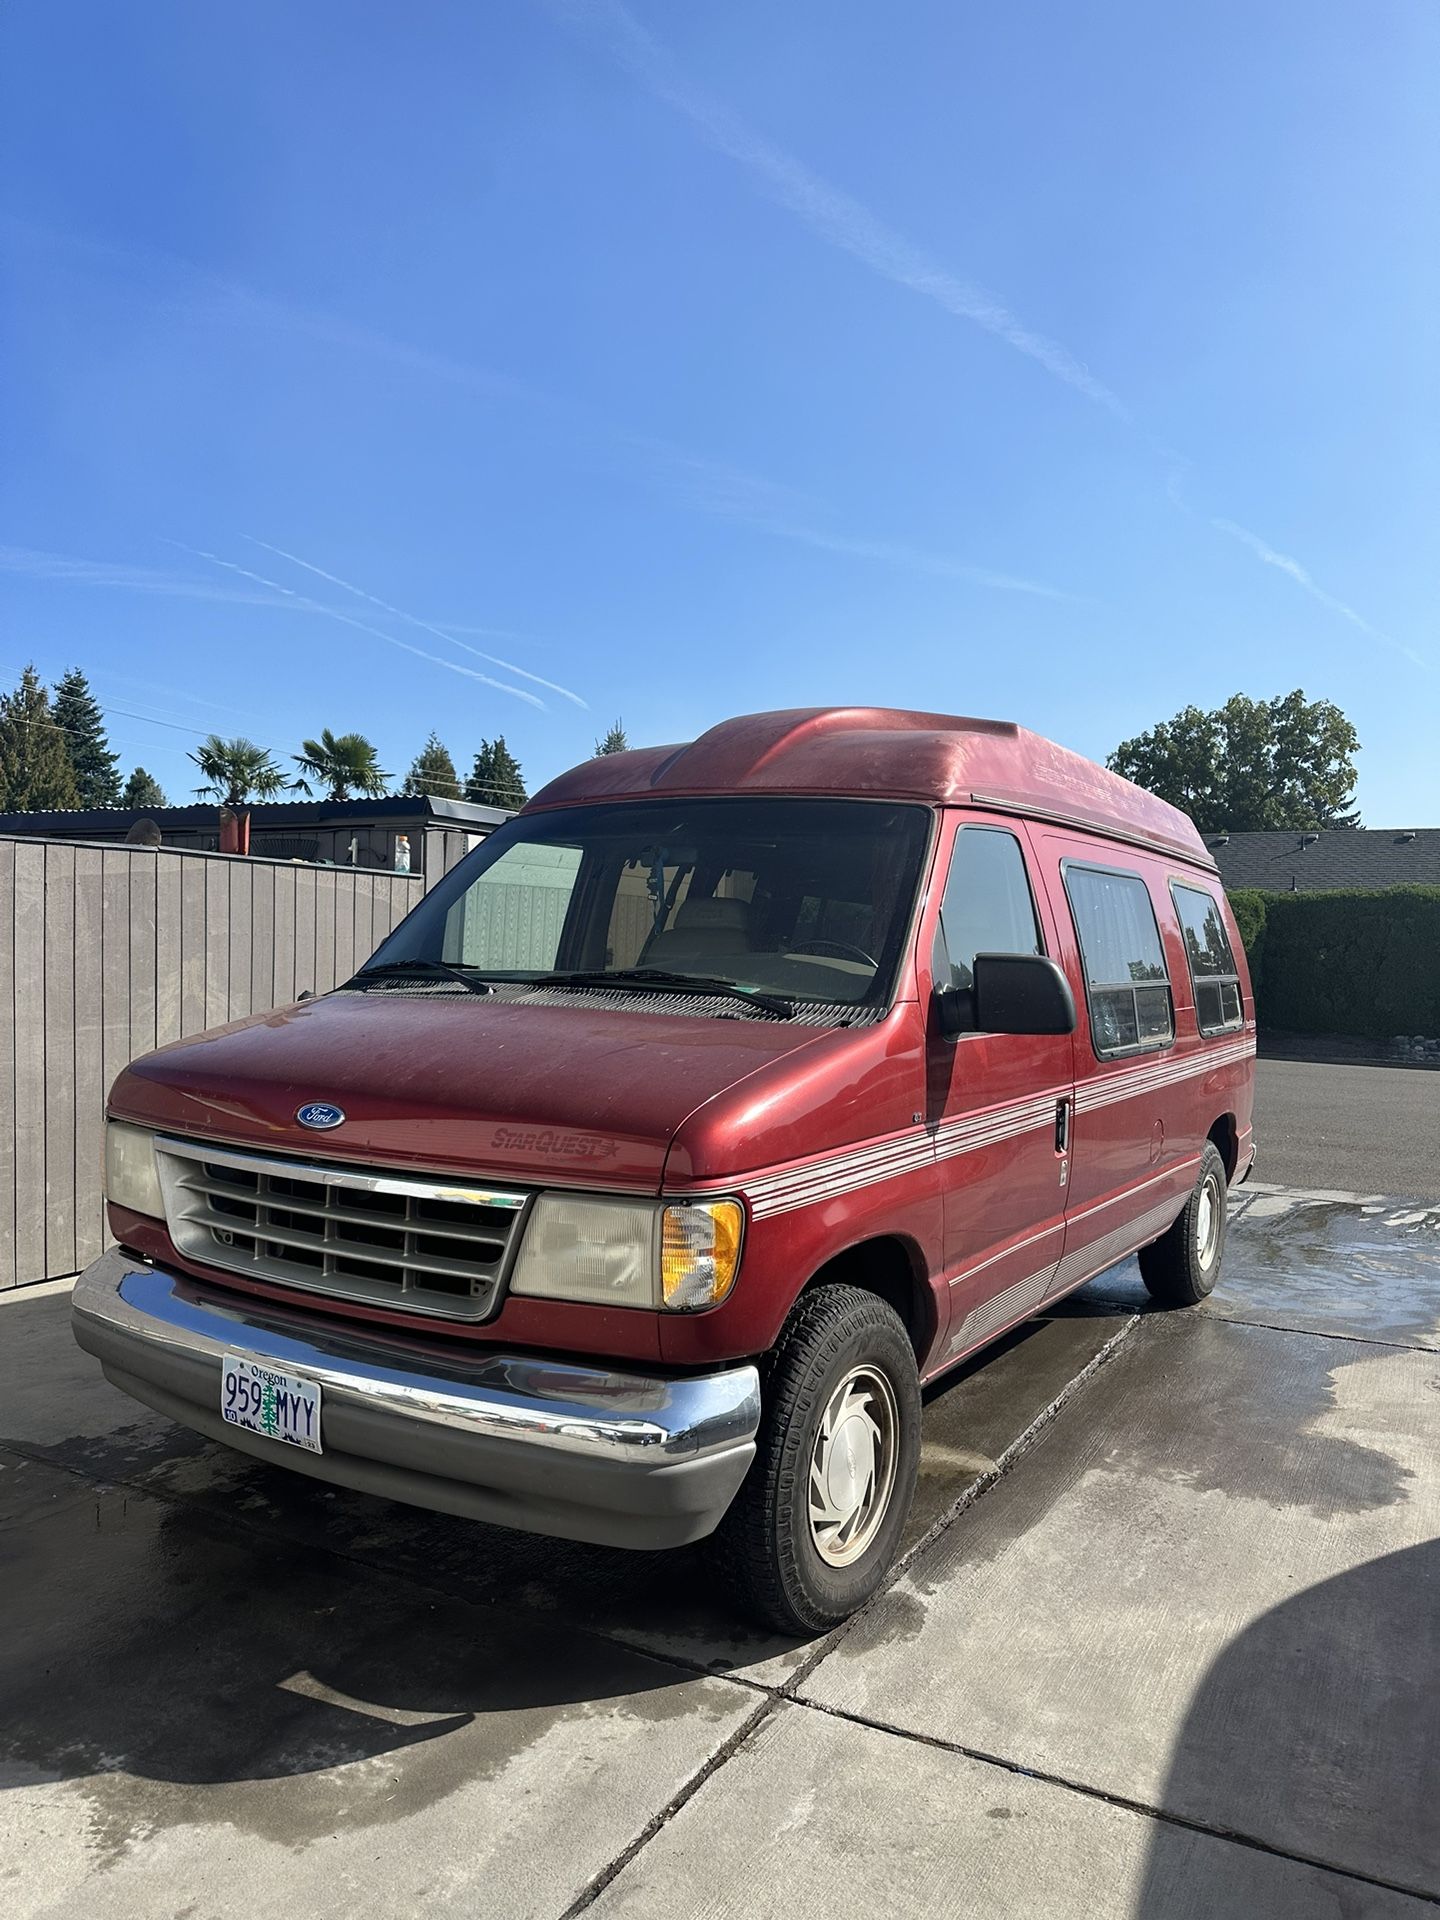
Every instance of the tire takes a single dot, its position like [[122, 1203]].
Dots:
[[843, 1357], [1182, 1266]]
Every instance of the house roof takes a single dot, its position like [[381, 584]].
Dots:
[[1336, 857], [88, 822], [878, 752]]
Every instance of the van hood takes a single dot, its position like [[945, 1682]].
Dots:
[[545, 1093]]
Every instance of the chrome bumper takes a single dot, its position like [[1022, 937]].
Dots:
[[586, 1453]]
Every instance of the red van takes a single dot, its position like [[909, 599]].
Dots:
[[717, 1102]]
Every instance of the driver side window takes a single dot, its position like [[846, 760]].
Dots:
[[988, 906]]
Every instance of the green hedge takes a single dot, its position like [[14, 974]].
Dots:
[[1351, 961]]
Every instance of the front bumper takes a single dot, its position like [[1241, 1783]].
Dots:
[[582, 1452]]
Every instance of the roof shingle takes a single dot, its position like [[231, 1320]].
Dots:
[[1320, 862]]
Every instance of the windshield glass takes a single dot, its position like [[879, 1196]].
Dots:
[[809, 899]]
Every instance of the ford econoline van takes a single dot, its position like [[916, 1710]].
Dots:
[[717, 1102]]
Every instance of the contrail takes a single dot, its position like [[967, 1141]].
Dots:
[[331, 613], [1303, 579], [892, 554], [835, 216], [410, 619]]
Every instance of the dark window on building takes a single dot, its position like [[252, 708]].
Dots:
[[988, 906], [1125, 977], [1212, 963]]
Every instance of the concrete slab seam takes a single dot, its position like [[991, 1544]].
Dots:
[[724, 1752], [978, 1487], [1233, 1835], [785, 1694], [1275, 1326]]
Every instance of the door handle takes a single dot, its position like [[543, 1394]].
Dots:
[[1062, 1125]]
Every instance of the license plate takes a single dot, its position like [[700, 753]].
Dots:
[[278, 1406]]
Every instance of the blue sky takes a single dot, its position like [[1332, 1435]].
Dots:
[[1063, 364]]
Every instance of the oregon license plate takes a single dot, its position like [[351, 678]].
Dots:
[[278, 1406]]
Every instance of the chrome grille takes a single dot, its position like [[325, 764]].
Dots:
[[423, 1243]]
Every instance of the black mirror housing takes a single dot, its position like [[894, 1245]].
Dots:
[[1013, 993]]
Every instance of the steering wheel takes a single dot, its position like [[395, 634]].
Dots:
[[840, 950]]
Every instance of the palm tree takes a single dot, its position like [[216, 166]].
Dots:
[[343, 764], [237, 770]]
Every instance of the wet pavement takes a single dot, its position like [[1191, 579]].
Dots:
[[1166, 1643]]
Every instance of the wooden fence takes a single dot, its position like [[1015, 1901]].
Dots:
[[107, 952]]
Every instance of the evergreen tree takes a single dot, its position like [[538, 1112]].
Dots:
[[97, 769], [36, 772], [495, 779], [614, 741], [433, 771], [142, 789]]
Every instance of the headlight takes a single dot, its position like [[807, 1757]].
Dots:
[[622, 1253], [131, 1177], [601, 1251]]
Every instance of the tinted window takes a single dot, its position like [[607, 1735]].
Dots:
[[1125, 976], [988, 906], [806, 898], [514, 914], [1212, 963]]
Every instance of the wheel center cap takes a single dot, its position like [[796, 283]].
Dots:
[[850, 1465]]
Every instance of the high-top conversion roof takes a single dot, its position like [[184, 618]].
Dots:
[[874, 752]]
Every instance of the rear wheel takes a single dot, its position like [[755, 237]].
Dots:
[[817, 1524], [1182, 1266]]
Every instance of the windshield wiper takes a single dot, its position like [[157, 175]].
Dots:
[[403, 969], [663, 980]]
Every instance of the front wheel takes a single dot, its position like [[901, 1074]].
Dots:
[[1182, 1266], [817, 1524]]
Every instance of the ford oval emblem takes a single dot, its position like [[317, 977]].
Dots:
[[319, 1114]]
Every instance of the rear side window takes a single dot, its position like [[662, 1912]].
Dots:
[[1212, 963], [1125, 978], [988, 907]]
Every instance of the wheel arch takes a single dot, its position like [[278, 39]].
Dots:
[[1224, 1135], [892, 1268]]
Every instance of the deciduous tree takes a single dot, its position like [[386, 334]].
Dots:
[[1251, 764]]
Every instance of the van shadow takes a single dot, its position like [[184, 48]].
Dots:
[[1315, 1734], [150, 1647]]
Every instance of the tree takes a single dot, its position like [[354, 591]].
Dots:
[[97, 769], [614, 741], [495, 779], [1284, 763], [36, 772], [342, 763], [237, 770], [433, 771], [142, 789]]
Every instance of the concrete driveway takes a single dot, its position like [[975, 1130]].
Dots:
[[1166, 1645]]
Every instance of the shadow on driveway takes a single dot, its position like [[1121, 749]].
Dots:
[[1302, 1718]]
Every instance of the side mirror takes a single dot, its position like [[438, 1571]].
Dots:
[[1013, 993]]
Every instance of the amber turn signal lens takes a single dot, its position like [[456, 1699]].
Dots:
[[699, 1253]]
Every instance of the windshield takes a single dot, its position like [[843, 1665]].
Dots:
[[807, 899]]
